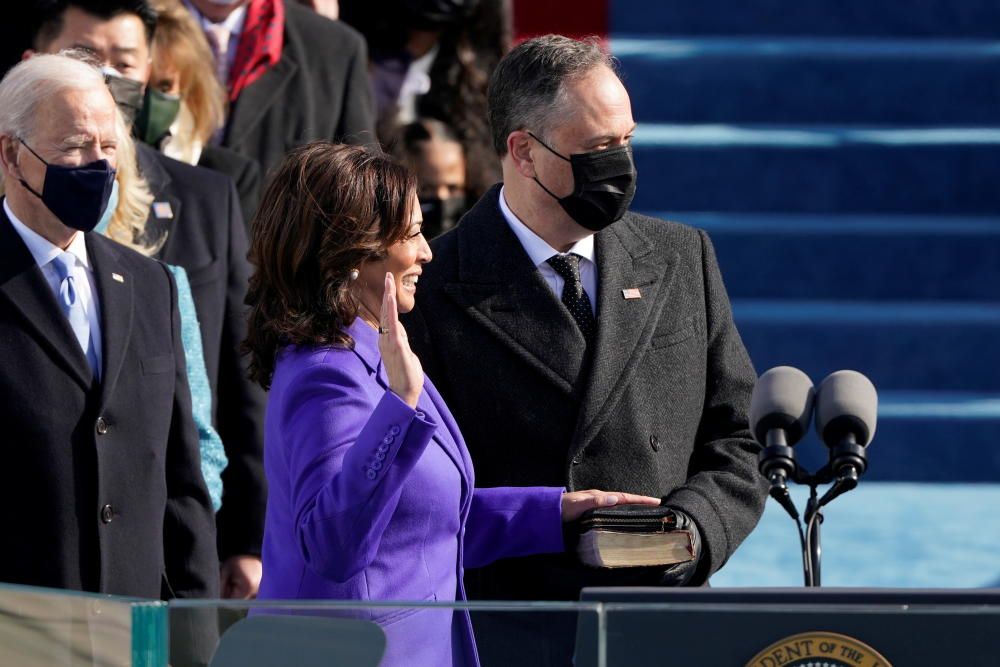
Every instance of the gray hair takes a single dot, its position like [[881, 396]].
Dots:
[[29, 84], [527, 86]]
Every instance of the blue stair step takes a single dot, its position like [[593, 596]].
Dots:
[[818, 170], [924, 18], [871, 258], [926, 437], [900, 346], [810, 81], [882, 535]]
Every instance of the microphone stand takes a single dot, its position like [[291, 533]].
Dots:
[[813, 519], [812, 551]]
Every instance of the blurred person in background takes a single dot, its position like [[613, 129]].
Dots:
[[434, 153], [373, 493], [93, 394], [124, 220], [196, 214], [432, 58], [290, 75], [328, 8], [185, 105]]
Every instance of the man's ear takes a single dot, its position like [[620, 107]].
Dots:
[[8, 155], [519, 144]]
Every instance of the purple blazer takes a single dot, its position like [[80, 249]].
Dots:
[[370, 499]]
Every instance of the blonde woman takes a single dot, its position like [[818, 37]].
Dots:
[[125, 222], [185, 105]]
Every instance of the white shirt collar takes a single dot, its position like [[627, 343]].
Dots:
[[233, 23], [537, 248], [43, 250]]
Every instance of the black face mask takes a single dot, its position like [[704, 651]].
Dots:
[[440, 215], [603, 185], [436, 14], [128, 95], [78, 196]]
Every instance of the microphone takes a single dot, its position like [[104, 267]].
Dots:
[[780, 410], [846, 414]]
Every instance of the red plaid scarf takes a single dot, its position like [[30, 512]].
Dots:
[[260, 44]]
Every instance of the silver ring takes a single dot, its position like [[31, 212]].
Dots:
[[383, 330]]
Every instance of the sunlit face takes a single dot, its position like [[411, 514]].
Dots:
[[165, 77], [404, 260], [118, 42], [72, 128], [440, 169], [217, 10], [598, 116]]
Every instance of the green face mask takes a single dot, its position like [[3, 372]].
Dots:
[[156, 116]]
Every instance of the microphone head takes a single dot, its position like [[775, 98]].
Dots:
[[782, 399], [846, 403]]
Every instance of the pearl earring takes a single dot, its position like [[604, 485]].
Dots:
[[354, 274]]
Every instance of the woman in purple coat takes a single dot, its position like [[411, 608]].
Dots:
[[371, 489]]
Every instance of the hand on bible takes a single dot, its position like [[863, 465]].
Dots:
[[575, 503]]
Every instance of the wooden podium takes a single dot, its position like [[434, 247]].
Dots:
[[662, 627]]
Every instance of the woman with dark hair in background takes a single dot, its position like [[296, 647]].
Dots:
[[434, 153], [371, 488], [433, 58]]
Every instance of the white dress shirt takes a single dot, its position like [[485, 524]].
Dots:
[[233, 23], [539, 251], [44, 252]]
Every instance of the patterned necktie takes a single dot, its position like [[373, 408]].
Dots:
[[573, 295], [72, 307], [218, 38]]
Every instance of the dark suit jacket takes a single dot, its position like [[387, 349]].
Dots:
[[206, 236], [244, 172], [318, 90], [661, 409], [101, 488]]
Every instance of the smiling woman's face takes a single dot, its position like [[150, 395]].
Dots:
[[405, 260]]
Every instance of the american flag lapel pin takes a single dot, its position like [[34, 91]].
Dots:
[[118, 278], [631, 293], [162, 210]]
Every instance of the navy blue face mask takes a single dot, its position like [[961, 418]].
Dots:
[[78, 196]]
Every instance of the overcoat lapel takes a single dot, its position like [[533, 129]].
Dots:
[[114, 288], [500, 289], [22, 283], [159, 221], [258, 97], [625, 261]]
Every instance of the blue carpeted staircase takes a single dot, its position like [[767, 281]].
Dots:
[[845, 157]]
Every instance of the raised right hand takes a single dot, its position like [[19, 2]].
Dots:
[[406, 375]]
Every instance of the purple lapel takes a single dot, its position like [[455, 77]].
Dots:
[[366, 347]]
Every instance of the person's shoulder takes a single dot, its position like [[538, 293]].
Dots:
[[308, 365], [189, 176], [229, 162], [665, 235], [319, 32], [661, 229]]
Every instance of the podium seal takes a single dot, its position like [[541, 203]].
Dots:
[[819, 649]]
